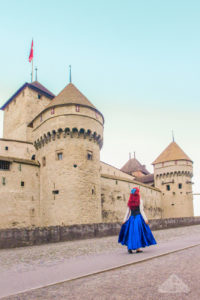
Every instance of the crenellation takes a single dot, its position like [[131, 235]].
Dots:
[[64, 133]]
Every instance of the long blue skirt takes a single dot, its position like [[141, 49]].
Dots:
[[135, 233]]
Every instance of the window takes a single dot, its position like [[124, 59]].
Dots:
[[39, 96], [116, 182], [75, 166], [77, 108], [60, 156], [180, 185], [33, 157], [44, 161], [32, 212], [55, 192], [6, 148], [20, 167], [4, 165], [52, 111], [168, 187], [4, 180], [89, 155], [22, 183]]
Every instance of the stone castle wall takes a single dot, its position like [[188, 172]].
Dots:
[[19, 205], [23, 207], [15, 148], [112, 171], [19, 112], [115, 191], [77, 119]]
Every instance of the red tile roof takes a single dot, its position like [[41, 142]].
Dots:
[[133, 165]]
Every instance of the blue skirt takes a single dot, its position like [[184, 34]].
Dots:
[[135, 233]]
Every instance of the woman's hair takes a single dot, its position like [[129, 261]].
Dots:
[[134, 199]]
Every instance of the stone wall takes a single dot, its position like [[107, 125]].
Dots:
[[11, 238], [67, 116], [20, 111], [15, 148], [112, 171], [115, 191], [19, 203]]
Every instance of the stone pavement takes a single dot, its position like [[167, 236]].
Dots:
[[171, 277], [33, 267]]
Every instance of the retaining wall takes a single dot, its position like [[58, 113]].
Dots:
[[11, 238]]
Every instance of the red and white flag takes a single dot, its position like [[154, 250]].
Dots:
[[31, 52]]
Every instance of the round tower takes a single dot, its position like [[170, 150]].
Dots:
[[173, 171], [68, 136]]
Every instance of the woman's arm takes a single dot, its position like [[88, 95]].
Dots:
[[127, 215], [142, 211]]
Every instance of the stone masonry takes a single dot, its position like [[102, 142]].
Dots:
[[50, 168]]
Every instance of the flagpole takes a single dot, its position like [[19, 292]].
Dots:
[[32, 65], [32, 70]]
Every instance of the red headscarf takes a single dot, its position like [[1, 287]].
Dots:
[[134, 199]]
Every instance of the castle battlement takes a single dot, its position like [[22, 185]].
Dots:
[[68, 133]]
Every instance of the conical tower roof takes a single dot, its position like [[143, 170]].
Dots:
[[133, 165], [172, 152], [70, 95]]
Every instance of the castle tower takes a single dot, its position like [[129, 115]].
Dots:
[[173, 171], [22, 107], [68, 136]]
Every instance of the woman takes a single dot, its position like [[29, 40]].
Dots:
[[135, 232]]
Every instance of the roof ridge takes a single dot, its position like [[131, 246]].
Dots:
[[36, 84], [37, 87]]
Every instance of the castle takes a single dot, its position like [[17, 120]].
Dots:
[[51, 173]]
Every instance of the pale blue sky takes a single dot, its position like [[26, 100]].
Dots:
[[137, 61]]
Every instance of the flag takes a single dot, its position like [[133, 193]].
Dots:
[[31, 52]]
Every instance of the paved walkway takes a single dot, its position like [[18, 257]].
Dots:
[[174, 276], [17, 276]]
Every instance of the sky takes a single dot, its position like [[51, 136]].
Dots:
[[138, 62]]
